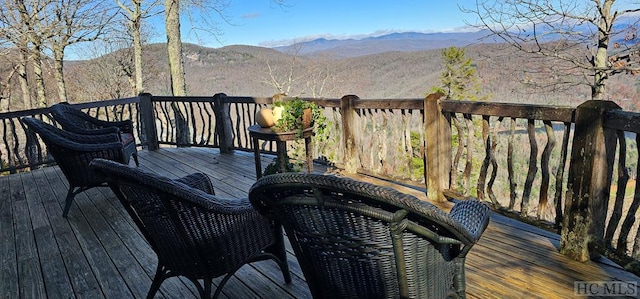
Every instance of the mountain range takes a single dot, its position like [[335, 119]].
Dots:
[[403, 41], [393, 66]]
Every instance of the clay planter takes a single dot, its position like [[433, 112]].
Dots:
[[307, 118]]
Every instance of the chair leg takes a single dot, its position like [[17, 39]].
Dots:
[[135, 159], [221, 284], [157, 281], [278, 249], [207, 288], [68, 201]]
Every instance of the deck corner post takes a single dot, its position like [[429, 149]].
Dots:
[[224, 127], [149, 138], [437, 132], [351, 160], [589, 180]]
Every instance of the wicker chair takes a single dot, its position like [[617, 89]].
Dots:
[[194, 233], [76, 121], [358, 240], [73, 152]]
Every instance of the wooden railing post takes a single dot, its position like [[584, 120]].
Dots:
[[437, 132], [224, 126], [149, 137], [350, 156], [589, 180]]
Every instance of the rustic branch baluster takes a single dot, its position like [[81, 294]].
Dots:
[[623, 178], [468, 166], [544, 168], [459, 150], [513, 194], [532, 169], [629, 221], [486, 142], [166, 130], [493, 161], [560, 174]]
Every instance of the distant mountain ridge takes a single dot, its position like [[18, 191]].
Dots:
[[400, 41], [416, 41]]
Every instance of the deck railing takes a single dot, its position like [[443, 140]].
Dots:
[[570, 167]]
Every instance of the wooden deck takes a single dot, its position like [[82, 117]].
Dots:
[[98, 253]]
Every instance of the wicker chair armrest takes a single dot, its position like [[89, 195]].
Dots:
[[94, 147], [473, 216], [98, 131], [126, 126], [91, 138], [199, 181]]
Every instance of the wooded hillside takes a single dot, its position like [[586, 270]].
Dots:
[[256, 71]]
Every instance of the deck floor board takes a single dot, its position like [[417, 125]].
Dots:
[[97, 252]]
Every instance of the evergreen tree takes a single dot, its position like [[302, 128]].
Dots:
[[459, 80]]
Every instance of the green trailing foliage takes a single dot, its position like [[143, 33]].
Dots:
[[292, 113]]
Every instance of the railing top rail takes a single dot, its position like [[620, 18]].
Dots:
[[327, 103], [185, 99], [416, 104], [105, 103], [21, 113], [38, 111], [242, 99], [622, 120], [540, 112]]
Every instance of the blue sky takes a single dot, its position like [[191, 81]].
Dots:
[[262, 23]]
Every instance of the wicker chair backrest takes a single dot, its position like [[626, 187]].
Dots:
[[357, 240], [70, 117], [73, 152], [180, 222]]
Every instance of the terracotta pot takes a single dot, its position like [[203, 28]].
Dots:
[[307, 118]]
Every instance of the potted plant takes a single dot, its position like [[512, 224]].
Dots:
[[297, 115], [293, 114]]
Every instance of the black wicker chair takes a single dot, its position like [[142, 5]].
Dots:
[[358, 240], [76, 121], [73, 152], [194, 233]]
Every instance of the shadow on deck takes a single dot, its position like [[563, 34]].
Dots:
[[98, 253]]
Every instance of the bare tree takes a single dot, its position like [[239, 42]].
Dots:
[[5, 89], [174, 47], [40, 27], [577, 35], [300, 77], [109, 75], [207, 10], [68, 22], [17, 28], [135, 13], [31, 14], [281, 80]]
